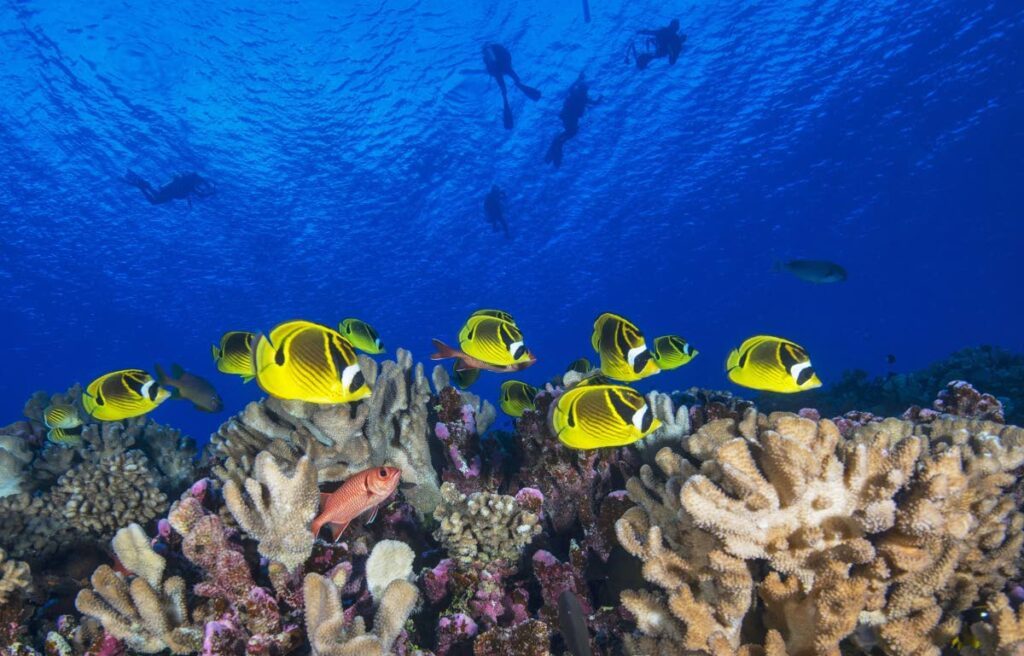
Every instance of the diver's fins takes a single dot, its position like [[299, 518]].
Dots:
[[529, 92]]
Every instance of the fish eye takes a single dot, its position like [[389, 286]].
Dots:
[[383, 473]]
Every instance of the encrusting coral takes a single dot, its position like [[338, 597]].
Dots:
[[389, 427], [890, 538], [276, 508]]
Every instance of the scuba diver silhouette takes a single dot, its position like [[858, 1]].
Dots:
[[494, 209], [182, 187], [576, 102], [499, 64], [663, 42]]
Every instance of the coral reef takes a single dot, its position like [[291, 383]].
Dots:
[[891, 537], [726, 532], [389, 427]]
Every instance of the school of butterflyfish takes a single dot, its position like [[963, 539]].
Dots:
[[591, 407]]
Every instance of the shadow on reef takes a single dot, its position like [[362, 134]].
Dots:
[[728, 531]]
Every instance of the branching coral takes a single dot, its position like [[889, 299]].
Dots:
[[15, 577], [332, 634], [146, 611], [893, 534], [484, 527], [276, 509], [340, 440]]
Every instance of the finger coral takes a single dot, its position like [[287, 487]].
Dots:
[[276, 508], [15, 577], [144, 610], [891, 538], [331, 634]]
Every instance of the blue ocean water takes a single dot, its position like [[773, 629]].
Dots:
[[352, 144]]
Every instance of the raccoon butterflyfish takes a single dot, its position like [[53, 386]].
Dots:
[[497, 314], [772, 364], [580, 366], [191, 387], [597, 416], [671, 351], [122, 394], [234, 355], [463, 378], [624, 353], [305, 361], [61, 415], [966, 638], [489, 343], [68, 437], [516, 397], [362, 335]]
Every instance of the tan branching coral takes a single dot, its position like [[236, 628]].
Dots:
[[390, 427], [1003, 633], [15, 577], [483, 527], [330, 634], [148, 613], [276, 508], [483, 411], [890, 535]]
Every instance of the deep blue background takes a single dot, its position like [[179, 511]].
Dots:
[[352, 144]]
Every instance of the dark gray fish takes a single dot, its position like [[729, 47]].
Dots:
[[196, 389], [573, 624], [816, 271]]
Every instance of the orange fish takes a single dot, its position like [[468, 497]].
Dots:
[[469, 362], [361, 492]]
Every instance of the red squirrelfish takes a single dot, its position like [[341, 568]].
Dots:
[[467, 362], [360, 493]]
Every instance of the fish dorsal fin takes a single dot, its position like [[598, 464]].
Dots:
[[176, 370]]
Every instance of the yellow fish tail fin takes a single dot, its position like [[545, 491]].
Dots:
[[733, 360], [216, 352]]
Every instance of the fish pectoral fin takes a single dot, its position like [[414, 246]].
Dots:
[[247, 379], [373, 516], [336, 530], [461, 365]]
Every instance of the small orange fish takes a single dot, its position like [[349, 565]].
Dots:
[[361, 492], [469, 362]]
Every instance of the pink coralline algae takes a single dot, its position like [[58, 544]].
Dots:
[[454, 632]]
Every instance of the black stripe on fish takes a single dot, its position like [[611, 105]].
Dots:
[[641, 361], [357, 381], [790, 356], [620, 405], [570, 416], [742, 362], [132, 382], [645, 425], [99, 396], [620, 340], [805, 375], [337, 356]]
